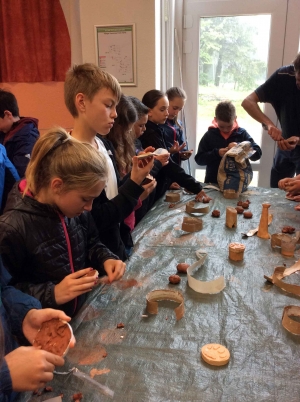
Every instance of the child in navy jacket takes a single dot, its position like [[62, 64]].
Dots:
[[223, 134]]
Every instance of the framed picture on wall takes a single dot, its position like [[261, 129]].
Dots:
[[116, 51]]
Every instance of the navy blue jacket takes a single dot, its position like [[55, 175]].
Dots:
[[39, 248], [154, 136], [14, 305], [19, 142], [208, 150]]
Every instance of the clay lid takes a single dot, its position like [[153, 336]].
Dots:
[[237, 247], [54, 336]]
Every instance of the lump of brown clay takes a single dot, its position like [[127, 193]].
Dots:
[[54, 336], [182, 267], [174, 279], [120, 325], [77, 397], [239, 204], [93, 273], [245, 205], [215, 213], [247, 214], [239, 209], [288, 229], [172, 205], [205, 200]]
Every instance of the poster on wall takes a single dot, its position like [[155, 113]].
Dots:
[[115, 51]]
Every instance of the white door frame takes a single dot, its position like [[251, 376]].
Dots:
[[284, 45]]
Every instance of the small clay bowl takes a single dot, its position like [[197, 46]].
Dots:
[[54, 336], [247, 214], [215, 213], [239, 210], [182, 267], [174, 279]]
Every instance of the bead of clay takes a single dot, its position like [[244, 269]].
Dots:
[[247, 214], [239, 204], [215, 354], [215, 213], [245, 205], [288, 229], [239, 210], [182, 267], [174, 279]]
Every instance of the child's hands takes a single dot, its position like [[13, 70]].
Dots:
[[35, 318], [222, 151], [74, 285], [31, 368], [200, 195], [115, 269], [141, 168], [232, 144], [176, 147], [184, 155], [148, 188], [163, 158]]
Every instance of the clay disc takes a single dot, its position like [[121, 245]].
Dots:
[[215, 354]]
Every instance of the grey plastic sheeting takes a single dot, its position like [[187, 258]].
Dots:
[[158, 358]]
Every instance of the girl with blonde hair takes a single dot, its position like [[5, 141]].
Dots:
[[48, 239]]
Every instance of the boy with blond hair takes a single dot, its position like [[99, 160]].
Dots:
[[91, 96]]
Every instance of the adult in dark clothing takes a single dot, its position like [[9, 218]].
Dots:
[[282, 90], [23, 368], [48, 239], [153, 136], [17, 134], [221, 136]]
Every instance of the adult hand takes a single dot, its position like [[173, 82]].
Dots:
[[289, 144], [31, 368], [293, 187], [148, 188], [176, 147], [283, 182], [184, 155], [222, 151], [115, 269], [35, 318], [74, 285], [274, 132], [232, 144], [140, 169]]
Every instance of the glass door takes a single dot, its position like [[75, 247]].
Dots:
[[230, 48]]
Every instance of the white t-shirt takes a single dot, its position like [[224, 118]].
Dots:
[[111, 188]]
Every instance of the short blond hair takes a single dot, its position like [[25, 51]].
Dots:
[[87, 79], [56, 154]]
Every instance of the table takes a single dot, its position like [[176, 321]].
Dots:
[[157, 358]]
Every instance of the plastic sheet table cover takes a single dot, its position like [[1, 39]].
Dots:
[[157, 358]]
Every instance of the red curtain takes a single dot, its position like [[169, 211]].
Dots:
[[34, 41]]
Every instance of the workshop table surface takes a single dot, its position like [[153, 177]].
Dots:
[[157, 358]]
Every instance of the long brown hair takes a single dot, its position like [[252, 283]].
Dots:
[[122, 136], [57, 154]]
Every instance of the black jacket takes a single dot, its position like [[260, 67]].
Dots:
[[154, 136], [208, 150], [34, 248], [110, 214]]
